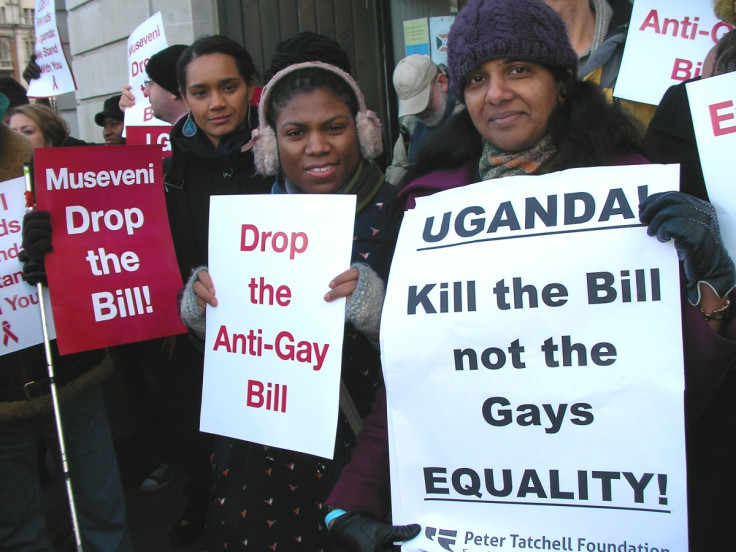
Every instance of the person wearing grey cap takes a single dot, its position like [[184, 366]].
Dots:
[[425, 101]]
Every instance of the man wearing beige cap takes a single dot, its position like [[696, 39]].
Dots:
[[424, 102]]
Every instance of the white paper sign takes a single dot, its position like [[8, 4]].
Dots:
[[533, 402], [147, 39], [666, 44], [56, 77], [439, 28], [20, 315], [714, 120], [273, 350]]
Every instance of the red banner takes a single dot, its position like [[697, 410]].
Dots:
[[112, 274], [148, 136]]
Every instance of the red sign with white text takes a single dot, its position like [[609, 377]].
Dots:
[[149, 136], [112, 274]]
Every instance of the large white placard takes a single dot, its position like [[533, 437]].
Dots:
[[147, 39], [714, 120], [531, 346], [273, 349], [56, 75], [20, 315], [666, 44]]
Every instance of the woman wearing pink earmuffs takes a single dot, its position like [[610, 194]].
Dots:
[[316, 137]]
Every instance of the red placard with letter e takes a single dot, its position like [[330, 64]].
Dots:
[[112, 274]]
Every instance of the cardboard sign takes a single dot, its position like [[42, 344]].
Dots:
[[112, 274], [531, 398], [20, 314], [714, 120], [666, 44], [273, 350], [147, 39], [56, 77]]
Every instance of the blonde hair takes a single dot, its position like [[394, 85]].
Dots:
[[50, 123]]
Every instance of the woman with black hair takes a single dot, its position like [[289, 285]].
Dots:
[[316, 137], [216, 78], [512, 65]]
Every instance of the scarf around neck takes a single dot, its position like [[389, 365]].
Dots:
[[496, 164], [365, 183]]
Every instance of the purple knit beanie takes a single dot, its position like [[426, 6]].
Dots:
[[527, 30]]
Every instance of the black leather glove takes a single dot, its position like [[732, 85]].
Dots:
[[34, 273], [358, 532], [693, 224], [32, 70], [36, 234]]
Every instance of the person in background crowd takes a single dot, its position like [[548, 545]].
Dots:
[[216, 79], [425, 101], [43, 126], [111, 121], [670, 137], [158, 376], [26, 412], [312, 116], [161, 87], [597, 30], [513, 66], [307, 46]]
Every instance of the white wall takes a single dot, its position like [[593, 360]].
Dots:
[[98, 32]]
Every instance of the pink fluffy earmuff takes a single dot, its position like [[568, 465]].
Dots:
[[725, 10], [367, 125]]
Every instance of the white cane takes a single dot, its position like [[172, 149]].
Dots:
[[52, 382]]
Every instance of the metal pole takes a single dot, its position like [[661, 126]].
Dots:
[[54, 396]]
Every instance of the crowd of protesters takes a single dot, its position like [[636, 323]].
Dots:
[[526, 90]]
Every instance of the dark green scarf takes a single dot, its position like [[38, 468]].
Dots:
[[365, 183]]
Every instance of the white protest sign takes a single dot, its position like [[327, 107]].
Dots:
[[273, 350], [714, 120], [56, 75], [147, 39], [666, 44], [20, 315], [531, 347]]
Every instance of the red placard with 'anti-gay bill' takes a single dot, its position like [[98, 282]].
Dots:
[[112, 273]]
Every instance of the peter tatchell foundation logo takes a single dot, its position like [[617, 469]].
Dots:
[[444, 537]]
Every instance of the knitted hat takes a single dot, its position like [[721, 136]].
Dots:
[[111, 109], [527, 30], [161, 67]]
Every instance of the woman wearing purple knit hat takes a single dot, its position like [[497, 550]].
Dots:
[[511, 63]]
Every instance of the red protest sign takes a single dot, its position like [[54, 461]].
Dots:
[[112, 274], [149, 135]]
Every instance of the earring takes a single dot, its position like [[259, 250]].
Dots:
[[189, 129]]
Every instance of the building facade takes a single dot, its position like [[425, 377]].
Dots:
[[16, 36], [374, 33]]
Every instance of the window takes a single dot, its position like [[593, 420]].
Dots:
[[28, 16], [2, 15], [5, 54]]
